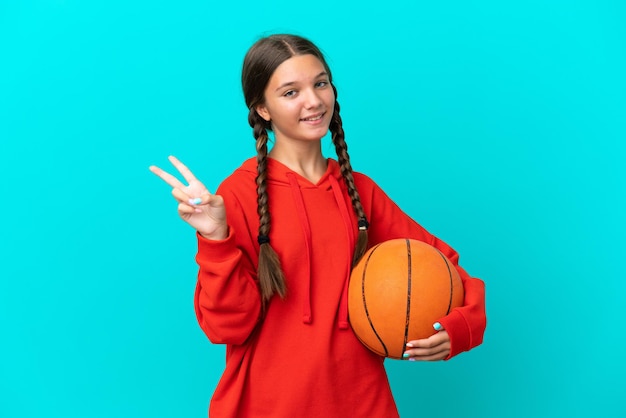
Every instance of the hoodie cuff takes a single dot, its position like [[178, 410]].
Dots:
[[459, 332], [219, 250]]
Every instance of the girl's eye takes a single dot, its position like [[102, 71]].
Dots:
[[321, 84], [289, 93]]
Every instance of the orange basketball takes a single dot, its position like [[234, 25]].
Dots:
[[398, 291]]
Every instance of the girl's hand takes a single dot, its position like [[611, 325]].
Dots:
[[196, 205], [433, 348]]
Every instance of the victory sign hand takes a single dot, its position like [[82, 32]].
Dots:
[[196, 205]]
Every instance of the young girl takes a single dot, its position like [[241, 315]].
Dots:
[[276, 245]]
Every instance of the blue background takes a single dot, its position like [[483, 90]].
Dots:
[[499, 126]]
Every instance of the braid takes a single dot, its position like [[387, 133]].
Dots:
[[270, 275], [336, 127]]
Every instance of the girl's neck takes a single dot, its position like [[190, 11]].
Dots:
[[307, 160]]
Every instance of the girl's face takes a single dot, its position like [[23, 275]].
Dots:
[[299, 100]]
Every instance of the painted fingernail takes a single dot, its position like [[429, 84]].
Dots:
[[437, 326], [195, 201], [405, 355], [411, 359]]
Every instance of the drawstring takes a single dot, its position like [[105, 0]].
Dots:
[[307, 316], [306, 229], [345, 214]]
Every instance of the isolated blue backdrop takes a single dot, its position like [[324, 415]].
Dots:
[[499, 126]]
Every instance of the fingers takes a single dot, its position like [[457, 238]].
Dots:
[[435, 347], [430, 356], [433, 340], [205, 198], [211, 199], [187, 196], [182, 169], [184, 208], [189, 204], [170, 179], [430, 342], [167, 177]]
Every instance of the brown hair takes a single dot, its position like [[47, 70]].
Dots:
[[259, 64]]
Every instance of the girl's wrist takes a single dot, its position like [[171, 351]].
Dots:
[[219, 234]]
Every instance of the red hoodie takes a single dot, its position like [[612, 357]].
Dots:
[[302, 359]]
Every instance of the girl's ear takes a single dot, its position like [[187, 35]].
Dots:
[[262, 111]]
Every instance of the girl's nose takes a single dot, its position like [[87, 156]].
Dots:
[[312, 99]]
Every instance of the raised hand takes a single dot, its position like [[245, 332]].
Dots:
[[196, 205]]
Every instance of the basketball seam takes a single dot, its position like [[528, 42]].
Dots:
[[367, 314], [408, 298], [445, 261]]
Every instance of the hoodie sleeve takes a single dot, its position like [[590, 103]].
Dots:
[[227, 299], [466, 324]]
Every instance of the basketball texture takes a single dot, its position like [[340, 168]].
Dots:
[[398, 291]]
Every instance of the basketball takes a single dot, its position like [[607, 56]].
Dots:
[[397, 292]]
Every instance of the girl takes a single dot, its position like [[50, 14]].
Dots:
[[276, 245]]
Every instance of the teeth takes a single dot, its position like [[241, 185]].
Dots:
[[315, 118]]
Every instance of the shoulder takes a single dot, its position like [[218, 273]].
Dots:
[[240, 182], [370, 192], [361, 180], [364, 183]]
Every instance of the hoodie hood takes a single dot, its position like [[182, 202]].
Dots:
[[332, 180]]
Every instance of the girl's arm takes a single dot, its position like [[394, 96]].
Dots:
[[464, 327], [227, 301], [227, 297]]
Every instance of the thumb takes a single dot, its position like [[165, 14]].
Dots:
[[206, 198]]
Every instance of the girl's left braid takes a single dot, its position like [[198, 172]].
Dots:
[[336, 127]]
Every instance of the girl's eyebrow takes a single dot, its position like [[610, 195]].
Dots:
[[290, 83]]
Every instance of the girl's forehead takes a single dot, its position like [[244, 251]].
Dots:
[[298, 68]]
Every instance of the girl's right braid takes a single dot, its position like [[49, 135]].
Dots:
[[270, 274], [336, 127]]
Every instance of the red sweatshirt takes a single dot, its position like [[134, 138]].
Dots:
[[302, 359]]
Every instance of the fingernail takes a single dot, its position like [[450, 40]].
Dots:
[[195, 201], [409, 345], [437, 326], [411, 359], [198, 210], [405, 355]]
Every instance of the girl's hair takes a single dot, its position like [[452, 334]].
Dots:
[[259, 64]]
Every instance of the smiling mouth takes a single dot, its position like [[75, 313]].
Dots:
[[313, 118]]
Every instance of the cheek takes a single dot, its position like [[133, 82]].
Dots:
[[288, 110], [284, 115], [330, 99]]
